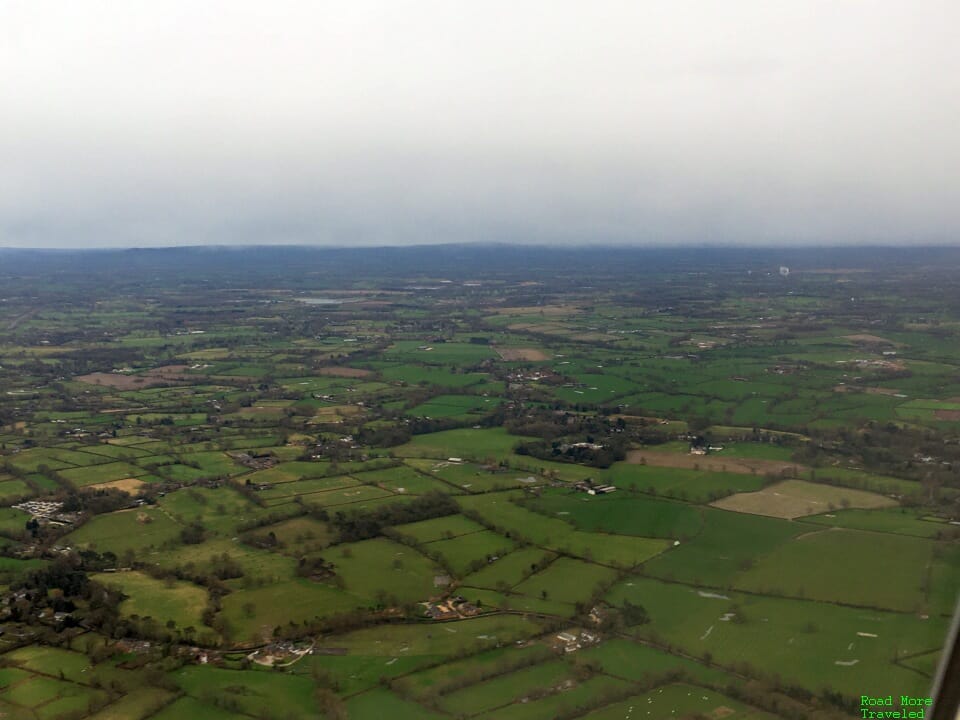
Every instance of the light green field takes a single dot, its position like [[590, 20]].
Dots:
[[901, 521], [188, 707], [590, 693], [444, 677], [252, 614], [638, 663], [510, 569], [506, 689], [450, 526], [254, 693], [567, 580], [475, 634], [471, 551], [106, 472], [138, 704], [556, 535], [403, 479], [679, 700], [126, 530], [161, 600], [381, 567], [380, 703], [464, 443]]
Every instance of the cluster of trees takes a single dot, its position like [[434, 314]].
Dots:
[[581, 452]]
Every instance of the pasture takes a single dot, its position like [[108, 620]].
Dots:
[[620, 513], [126, 531], [870, 569], [801, 639], [161, 600], [796, 498]]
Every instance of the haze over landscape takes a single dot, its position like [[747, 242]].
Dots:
[[376, 123]]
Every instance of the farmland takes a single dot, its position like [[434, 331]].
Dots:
[[277, 489]]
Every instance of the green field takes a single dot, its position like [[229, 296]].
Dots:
[[127, 530], [160, 600], [469, 552], [287, 482], [621, 514], [869, 569], [728, 543], [800, 639]]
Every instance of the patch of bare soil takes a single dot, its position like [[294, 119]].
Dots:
[[714, 463], [130, 485], [951, 415], [868, 390], [546, 310], [524, 354], [865, 338], [150, 378]]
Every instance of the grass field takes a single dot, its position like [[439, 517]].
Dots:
[[799, 639], [872, 569], [138, 704], [556, 535], [252, 614], [509, 569], [161, 600], [682, 483], [253, 693], [218, 510], [446, 527], [404, 480], [376, 704], [469, 552], [554, 583], [127, 530], [443, 678], [589, 693], [621, 513], [639, 663], [506, 689], [455, 406], [796, 498], [464, 443], [728, 543], [679, 700], [106, 472], [901, 521], [382, 568]]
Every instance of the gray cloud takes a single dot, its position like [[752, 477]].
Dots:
[[806, 121]]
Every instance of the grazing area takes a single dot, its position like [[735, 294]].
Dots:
[[796, 498], [644, 485]]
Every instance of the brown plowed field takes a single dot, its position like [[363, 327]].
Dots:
[[524, 354], [150, 378], [747, 466]]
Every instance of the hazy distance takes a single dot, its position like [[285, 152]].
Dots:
[[370, 123]]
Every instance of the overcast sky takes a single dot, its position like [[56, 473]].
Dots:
[[146, 122]]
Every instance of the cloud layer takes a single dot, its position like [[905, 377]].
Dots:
[[807, 121]]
